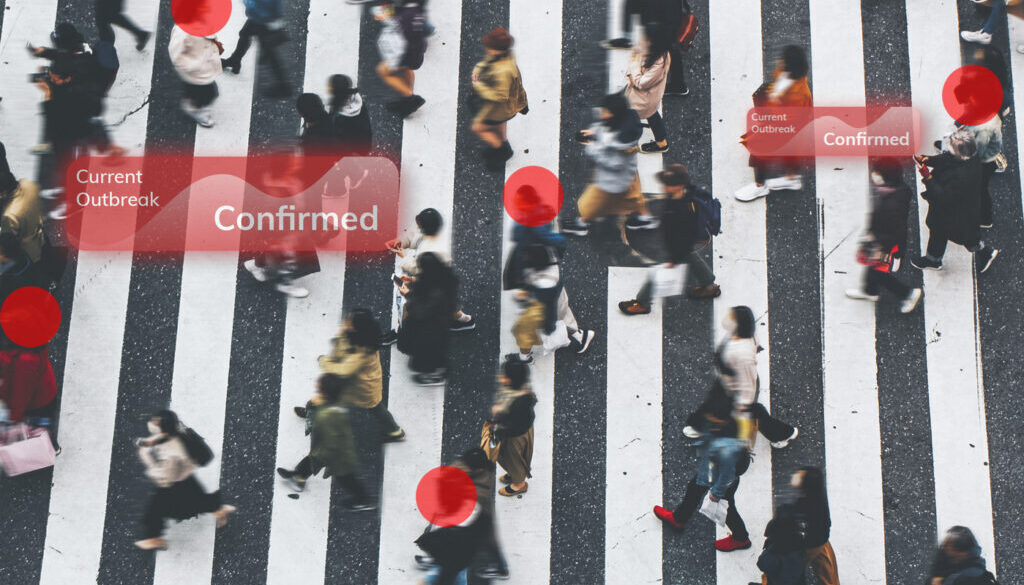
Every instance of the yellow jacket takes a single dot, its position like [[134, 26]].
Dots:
[[23, 217], [500, 87], [360, 367]]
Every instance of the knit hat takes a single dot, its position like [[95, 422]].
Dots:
[[674, 175], [498, 39]]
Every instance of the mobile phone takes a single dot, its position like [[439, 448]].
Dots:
[[396, 280]]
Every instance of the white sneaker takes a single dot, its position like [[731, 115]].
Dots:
[[691, 432], [751, 192], [976, 36], [785, 442], [200, 115], [51, 194], [859, 295], [293, 290], [1020, 48], [60, 212], [257, 272], [910, 302], [785, 183]]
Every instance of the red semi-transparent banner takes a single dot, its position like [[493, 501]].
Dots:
[[832, 131], [174, 203]]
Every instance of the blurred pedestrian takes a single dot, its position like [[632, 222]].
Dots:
[[178, 494], [646, 77], [984, 35], [512, 415], [430, 301], [953, 189], [355, 358], [958, 560], [611, 145], [198, 63], [263, 20], [402, 44], [781, 561], [498, 86], [667, 15], [886, 239], [811, 512], [111, 12], [21, 213], [352, 128], [331, 447], [787, 88]]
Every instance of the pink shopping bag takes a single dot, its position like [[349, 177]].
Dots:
[[26, 449]]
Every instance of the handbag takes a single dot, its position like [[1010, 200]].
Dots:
[[870, 253], [688, 29], [196, 447], [667, 282], [489, 442], [33, 451]]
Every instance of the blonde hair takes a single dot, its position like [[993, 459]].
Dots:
[[962, 144]]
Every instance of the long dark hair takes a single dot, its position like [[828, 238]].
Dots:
[[794, 61], [311, 107], [745, 323], [168, 422], [341, 89], [617, 104], [659, 42], [365, 331], [434, 274]]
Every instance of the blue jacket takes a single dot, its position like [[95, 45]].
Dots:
[[263, 11]]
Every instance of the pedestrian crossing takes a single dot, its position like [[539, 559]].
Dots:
[[613, 400]]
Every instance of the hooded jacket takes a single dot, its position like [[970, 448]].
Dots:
[[614, 151], [352, 127]]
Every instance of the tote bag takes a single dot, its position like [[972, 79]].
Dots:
[[26, 449]]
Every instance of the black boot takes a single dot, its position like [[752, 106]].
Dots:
[[506, 150], [494, 159]]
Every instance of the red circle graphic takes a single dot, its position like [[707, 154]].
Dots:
[[446, 496], [533, 196], [30, 316], [972, 95], [201, 18]]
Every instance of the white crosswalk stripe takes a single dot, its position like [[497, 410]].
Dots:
[[298, 539]]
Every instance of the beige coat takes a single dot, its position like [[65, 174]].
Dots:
[[167, 463], [648, 86], [358, 366], [196, 59], [500, 87], [23, 217]]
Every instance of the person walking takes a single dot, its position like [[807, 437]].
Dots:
[[811, 512], [738, 381], [21, 209], [983, 36], [263, 21], [611, 145], [111, 12], [724, 457], [178, 493], [198, 63], [430, 302], [355, 358], [886, 238], [512, 416], [402, 44], [682, 232], [646, 76], [331, 447], [667, 15], [958, 560], [780, 560], [988, 138], [788, 88], [498, 86], [953, 183], [352, 129]]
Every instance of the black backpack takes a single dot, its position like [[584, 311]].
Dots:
[[196, 447]]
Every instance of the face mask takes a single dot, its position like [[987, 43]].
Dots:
[[154, 429], [877, 179], [728, 322], [797, 480]]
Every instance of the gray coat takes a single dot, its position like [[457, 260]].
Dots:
[[614, 153]]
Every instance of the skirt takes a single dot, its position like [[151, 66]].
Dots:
[[596, 203], [515, 456]]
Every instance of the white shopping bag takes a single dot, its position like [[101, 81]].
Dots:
[[558, 339], [667, 282], [716, 511]]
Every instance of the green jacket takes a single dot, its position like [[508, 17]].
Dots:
[[331, 445]]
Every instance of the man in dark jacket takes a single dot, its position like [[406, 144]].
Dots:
[[263, 21], [887, 235], [953, 183], [681, 231], [958, 561], [111, 12], [667, 17]]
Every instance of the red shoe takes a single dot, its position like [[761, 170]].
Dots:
[[667, 517], [729, 544]]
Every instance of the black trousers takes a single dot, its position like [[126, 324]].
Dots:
[[695, 495], [876, 280], [350, 482], [770, 427], [108, 13], [180, 501], [987, 170], [201, 95], [384, 417], [657, 124], [937, 245], [251, 29]]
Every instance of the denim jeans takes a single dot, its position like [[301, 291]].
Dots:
[[434, 577], [695, 495], [998, 12], [717, 467]]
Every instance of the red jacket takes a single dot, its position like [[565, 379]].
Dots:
[[26, 381]]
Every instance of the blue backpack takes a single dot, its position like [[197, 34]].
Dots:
[[709, 211]]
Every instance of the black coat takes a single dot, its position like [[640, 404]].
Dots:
[[679, 228], [354, 133], [890, 207], [954, 199]]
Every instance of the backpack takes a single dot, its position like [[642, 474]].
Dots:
[[196, 447], [709, 212]]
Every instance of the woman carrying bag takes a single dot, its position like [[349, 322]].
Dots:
[[508, 436], [178, 493], [646, 77]]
